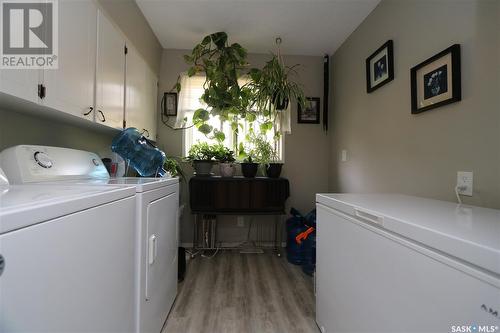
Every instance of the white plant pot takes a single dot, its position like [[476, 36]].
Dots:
[[226, 169]]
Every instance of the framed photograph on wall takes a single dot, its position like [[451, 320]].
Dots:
[[310, 115], [380, 67], [170, 104], [436, 81]]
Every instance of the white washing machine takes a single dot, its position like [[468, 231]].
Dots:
[[157, 205], [66, 258]]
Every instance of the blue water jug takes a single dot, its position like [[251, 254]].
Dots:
[[141, 154]]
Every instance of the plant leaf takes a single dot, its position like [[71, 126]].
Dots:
[[205, 129], [219, 136]]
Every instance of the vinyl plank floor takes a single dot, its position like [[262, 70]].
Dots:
[[246, 293]]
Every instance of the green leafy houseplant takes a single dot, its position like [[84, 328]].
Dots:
[[273, 87], [201, 156], [222, 64], [226, 159], [172, 166], [267, 156]]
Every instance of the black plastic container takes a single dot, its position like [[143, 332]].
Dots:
[[249, 170]]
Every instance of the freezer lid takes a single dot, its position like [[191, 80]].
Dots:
[[25, 205], [466, 232]]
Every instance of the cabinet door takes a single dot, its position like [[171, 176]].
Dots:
[[135, 111], [22, 83], [141, 92], [151, 102], [71, 87], [110, 74]]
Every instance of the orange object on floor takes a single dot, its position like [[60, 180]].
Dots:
[[303, 235]]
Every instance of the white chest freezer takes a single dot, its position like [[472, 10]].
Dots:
[[395, 263]]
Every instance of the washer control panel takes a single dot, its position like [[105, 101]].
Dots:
[[43, 160], [31, 163]]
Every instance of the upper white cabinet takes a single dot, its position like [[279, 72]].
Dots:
[[151, 103], [94, 77], [71, 87], [110, 73], [141, 94]]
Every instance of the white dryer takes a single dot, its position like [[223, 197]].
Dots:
[[65, 258], [157, 205]]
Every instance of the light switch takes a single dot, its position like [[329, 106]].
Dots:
[[344, 155], [465, 182]]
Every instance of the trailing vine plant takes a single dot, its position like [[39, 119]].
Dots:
[[222, 64]]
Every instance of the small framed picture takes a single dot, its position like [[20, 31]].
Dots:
[[170, 104], [436, 81], [310, 115], [380, 67]]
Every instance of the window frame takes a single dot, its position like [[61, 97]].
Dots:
[[188, 138]]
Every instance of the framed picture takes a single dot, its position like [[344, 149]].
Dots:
[[170, 104], [436, 81], [310, 115], [380, 67]]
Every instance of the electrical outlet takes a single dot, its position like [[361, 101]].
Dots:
[[344, 155], [465, 182], [240, 221]]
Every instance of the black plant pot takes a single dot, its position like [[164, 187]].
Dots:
[[249, 170], [273, 170], [280, 104]]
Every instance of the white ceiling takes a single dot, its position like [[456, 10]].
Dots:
[[307, 27]]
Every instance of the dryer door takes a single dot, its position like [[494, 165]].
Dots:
[[160, 254]]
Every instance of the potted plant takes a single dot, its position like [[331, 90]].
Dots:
[[273, 87], [201, 157], [267, 156], [226, 159], [249, 168], [222, 64]]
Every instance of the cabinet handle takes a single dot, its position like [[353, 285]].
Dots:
[[41, 91], [2, 264], [145, 131], [103, 117], [89, 111], [369, 216]]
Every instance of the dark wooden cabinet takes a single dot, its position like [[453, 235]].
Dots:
[[238, 195]]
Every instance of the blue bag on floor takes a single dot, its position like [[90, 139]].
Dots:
[[294, 226], [309, 246]]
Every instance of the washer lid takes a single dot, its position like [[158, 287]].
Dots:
[[467, 232], [24, 205]]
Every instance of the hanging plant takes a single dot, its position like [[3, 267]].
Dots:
[[222, 64], [273, 89]]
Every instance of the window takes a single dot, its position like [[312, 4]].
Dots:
[[189, 101]]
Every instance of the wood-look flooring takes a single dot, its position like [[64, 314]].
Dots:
[[245, 293]]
